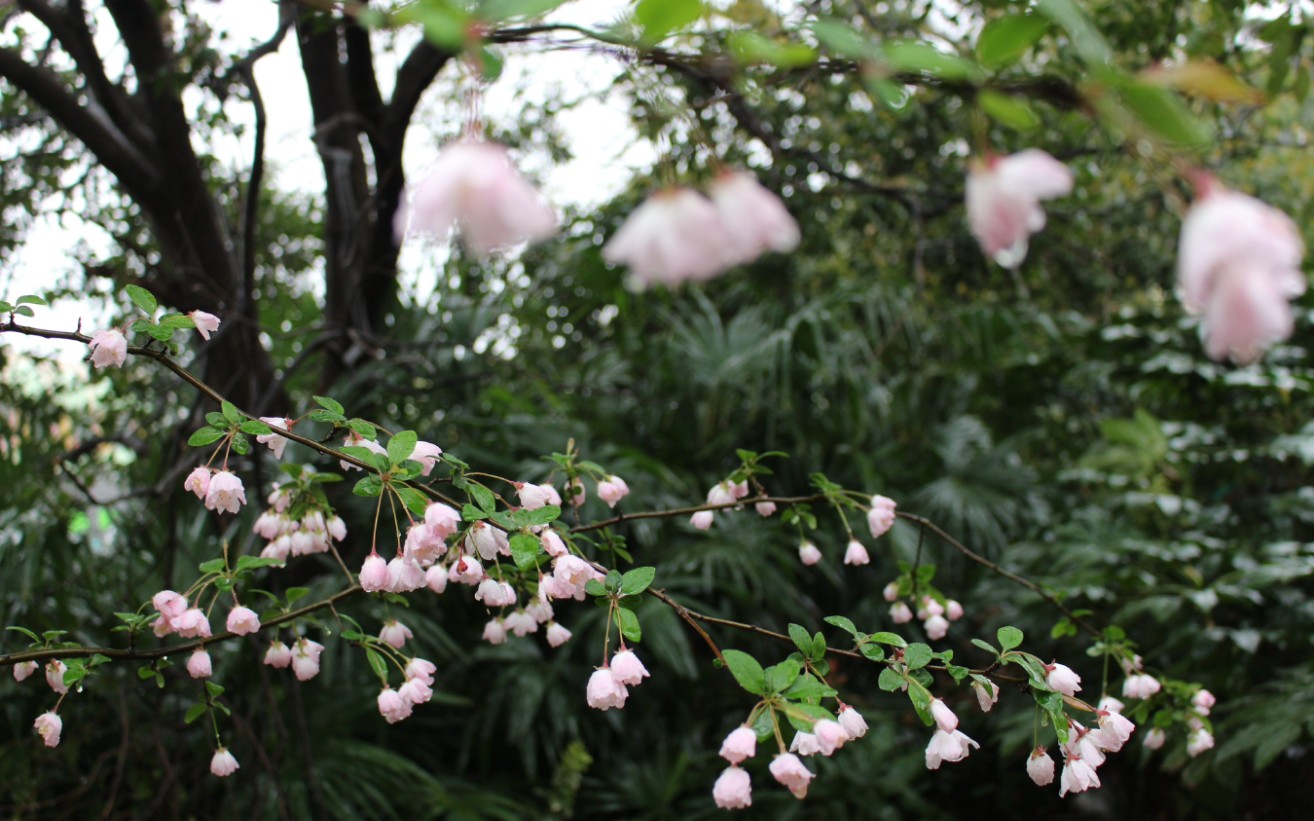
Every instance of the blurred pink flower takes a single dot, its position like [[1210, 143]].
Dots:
[[674, 236], [755, 219], [1003, 201]]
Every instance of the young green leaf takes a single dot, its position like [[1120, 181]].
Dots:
[[1009, 637], [525, 549], [142, 298], [1005, 39], [917, 655], [628, 622], [802, 640], [401, 446], [637, 580], [746, 671]]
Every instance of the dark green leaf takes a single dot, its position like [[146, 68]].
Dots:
[[802, 640], [377, 664], [142, 298], [401, 446], [212, 566], [1009, 637], [890, 681], [892, 639], [637, 580], [628, 622], [917, 655], [1005, 39], [230, 412], [842, 623], [193, 712], [482, 497], [415, 501], [525, 549], [779, 677], [593, 587], [296, 594], [746, 671]]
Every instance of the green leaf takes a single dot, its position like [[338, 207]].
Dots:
[[23, 310], [1009, 637], [230, 412], [401, 446], [215, 690], [24, 631], [159, 333], [296, 594], [415, 501], [923, 58], [240, 444], [144, 673], [593, 587], [30, 299], [470, 513], [368, 486], [247, 563], [628, 622], [892, 639], [1082, 33], [841, 39], [193, 712], [986, 646], [872, 651], [176, 322], [445, 24], [525, 549], [142, 298], [751, 48], [842, 623], [818, 647], [807, 688], [1009, 111], [746, 671], [1164, 114], [329, 404], [377, 664], [498, 10], [482, 497], [613, 581], [542, 516], [1006, 39], [212, 566], [657, 18], [890, 681], [918, 655], [779, 677], [363, 429], [255, 428], [802, 640], [637, 580]]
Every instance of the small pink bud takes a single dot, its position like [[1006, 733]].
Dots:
[[765, 509], [948, 746], [612, 489], [49, 726], [395, 633], [986, 695], [1155, 738], [740, 744], [198, 664], [278, 655], [223, 764], [1062, 679], [557, 635], [55, 671], [936, 627], [627, 668], [393, 707], [243, 621], [733, 789], [789, 771], [830, 735], [702, 520], [374, 574], [856, 554], [1078, 776], [435, 578], [901, 613], [808, 553], [881, 516], [1198, 741], [495, 632], [852, 722], [944, 717], [891, 592], [108, 348], [1040, 767], [24, 669]]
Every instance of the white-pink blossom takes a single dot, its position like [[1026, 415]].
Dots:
[[953, 610], [1203, 701], [205, 323], [856, 554], [831, 735], [881, 516], [1062, 679], [198, 482], [936, 627], [805, 743], [1040, 767], [674, 236], [733, 789], [198, 664], [1198, 741], [243, 621], [557, 635], [604, 691], [223, 763], [789, 771], [393, 707], [553, 545], [24, 669], [1078, 776], [1155, 738], [890, 592], [169, 603], [575, 493], [278, 655], [444, 519], [808, 553], [108, 348], [426, 453], [416, 691], [395, 634], [1114, 730], [305, 659], [374, 574], [474, 185], [355, 440], [467, 570], [765, 509], [495, 631], [852, 722], [1238, 263], [986, 695], [944, 717], [948, 746], [225, 493], [487, 541], [627, 668], [741, 743], [1003, 201], [276, 441], [532, 496], [612, 489], [421, 669], [754, 218], [435, 578], [191, 624], [901, 613], [49, 725], [1140, 685], [521, 623]]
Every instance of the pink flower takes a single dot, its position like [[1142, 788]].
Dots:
[[856, 554], [1111, 704], [944, 717], [674, 236], [1238, 263], [881, 516], [702, 520], [278, 655], [198, 664], [605, 691], [612, 489], [733, 789], [393, 707], [1203, 701], [852, 722], [1155, 738], [557, 635], [206, 324], [243, 621], [395, 633], [474, 185], [1061, 679], [191, 624], [276, 441], [169, 603], [533, 497], [416, 691], [985, 698], [355, 440], [55, 671], [805, 743], [755, 220], [225, 493], [1114, 729], [494, 593], [108, 348], [948, 746], [426, 453], [539, 609], [1198, 741], [1140, 685], [901, 613], [521, 624], [494, 632], [765, 509], [936, 627], [305, 659], [1040, 767], [953, 610], [831, 735], [444, 519], [1078, 776], [575, 492], [1003, 201], [789, 771], [808, 553], [627, 668], [487, 541], [930, 607], [223, 764], [891, 592], [467, 570], [24, 669], [740, 744], [404, 575], [422, 669], [374, 574], [49, 726], [552, 543], [435, 578], [198, 482]]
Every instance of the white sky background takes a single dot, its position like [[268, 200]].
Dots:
[[605, 147]]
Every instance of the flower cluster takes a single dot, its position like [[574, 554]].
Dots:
[[679, 235], [313, 532], [221, 490], [608, 686]]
